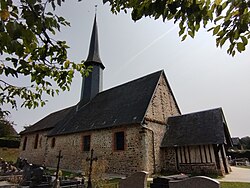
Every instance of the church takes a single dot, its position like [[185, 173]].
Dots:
[[136, 126]]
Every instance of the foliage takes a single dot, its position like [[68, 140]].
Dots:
[[6, 126], [245, 141], [239, 154], [231, 19], [9, 143], [28, 49]]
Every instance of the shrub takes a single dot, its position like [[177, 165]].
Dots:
[[9, 143]]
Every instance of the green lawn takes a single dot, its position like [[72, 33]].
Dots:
[[234, 185], [9, 154]]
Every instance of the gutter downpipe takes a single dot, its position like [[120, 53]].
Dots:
[[153, 144]]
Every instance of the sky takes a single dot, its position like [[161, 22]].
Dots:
[[201, 76]]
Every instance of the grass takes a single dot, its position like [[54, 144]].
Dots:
[[234, 185], [9, 154]]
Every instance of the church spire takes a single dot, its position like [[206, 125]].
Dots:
[[93, 56], [93, 84]]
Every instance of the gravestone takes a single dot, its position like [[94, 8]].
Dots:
[[136, 180], [163, 181], [36, 176], [26, 173], [195, 182]]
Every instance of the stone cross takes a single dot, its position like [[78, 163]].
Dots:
[[58, 163], [91, 159]]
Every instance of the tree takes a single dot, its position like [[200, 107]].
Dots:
[[230, 18], [28, 49], [27, 46], [245, 141], [6, 126]]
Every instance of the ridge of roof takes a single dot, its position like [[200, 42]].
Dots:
[[198, 112], [134, 80]]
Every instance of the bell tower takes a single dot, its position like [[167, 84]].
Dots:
[[93, 84]]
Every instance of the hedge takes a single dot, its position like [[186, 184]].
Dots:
[[239, 154], [9, 143]]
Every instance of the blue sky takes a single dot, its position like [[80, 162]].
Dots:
[[201, 75]]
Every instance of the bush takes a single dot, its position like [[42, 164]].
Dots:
[[9, 143], [239, 154]]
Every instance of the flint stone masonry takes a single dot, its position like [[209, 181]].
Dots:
[[136, 180], [38, 154], [195, 182], [102, 141]]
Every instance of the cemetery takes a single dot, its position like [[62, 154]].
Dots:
[[22, 174]]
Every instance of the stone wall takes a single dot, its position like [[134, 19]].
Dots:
[[36, 156], [168, 160], [161, 107], [162, 104], [102, 141]]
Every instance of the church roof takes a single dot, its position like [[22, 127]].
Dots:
[[121, 105], [48, 122], [94, 56], [206, 127]]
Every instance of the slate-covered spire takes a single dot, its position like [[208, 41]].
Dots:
[[93, 56], [93, 84]]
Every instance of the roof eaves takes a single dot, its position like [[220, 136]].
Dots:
[[93, 129]]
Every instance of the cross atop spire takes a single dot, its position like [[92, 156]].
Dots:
[[93, 56]]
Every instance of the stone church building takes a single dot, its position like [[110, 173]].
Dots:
[[136, 126]]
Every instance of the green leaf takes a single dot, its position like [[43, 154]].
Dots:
[[222, 41], [184, 37], [244, 40], [217, 2], [216, 29], [218, 18], [191, 33], [240, 47]]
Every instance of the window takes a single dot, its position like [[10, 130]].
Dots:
[[40, 142], [24, 142], [53, 142], [119, 141], [86, 143], [36, 141]]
